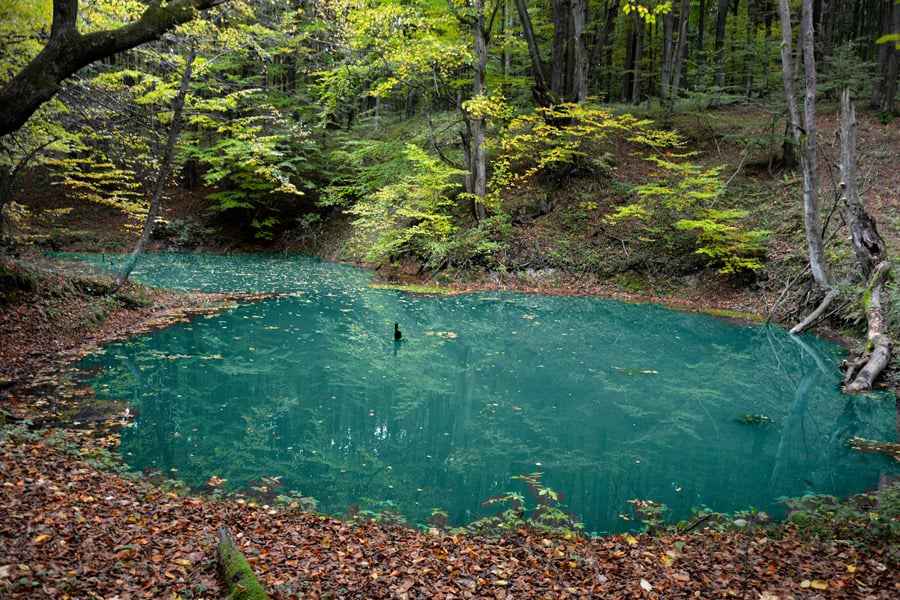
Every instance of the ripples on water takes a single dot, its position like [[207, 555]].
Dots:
[[611, 401]]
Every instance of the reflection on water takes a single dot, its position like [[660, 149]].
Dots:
[[610, 401]]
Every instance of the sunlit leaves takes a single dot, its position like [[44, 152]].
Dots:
[[409, 215], [684, 198]]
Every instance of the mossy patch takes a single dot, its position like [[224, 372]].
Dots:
[[415, 288], [727, 313]]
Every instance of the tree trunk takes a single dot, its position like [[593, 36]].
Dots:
[[805, 140], [628, 75], [599, 60], [638, 51], [721, 21], [165, 169], [6, 188], [871, 257], [701, 29], [67, 51], [812, 221], [540, 91], [579, 52], [479, 160], [668, 52], [681, 47], [558, 66], [889, 81], [885, 20]]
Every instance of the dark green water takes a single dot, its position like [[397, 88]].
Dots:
[[610, 401]]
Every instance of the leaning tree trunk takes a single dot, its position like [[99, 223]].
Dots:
[[540, 90], [240, 581], [871, 257], [67, 50], [165, 168]]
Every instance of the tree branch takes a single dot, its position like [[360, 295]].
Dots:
[[68, 51]]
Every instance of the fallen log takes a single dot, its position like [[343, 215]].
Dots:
[[878, 344], [240, 582]]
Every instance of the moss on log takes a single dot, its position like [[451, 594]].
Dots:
[[240, 582]]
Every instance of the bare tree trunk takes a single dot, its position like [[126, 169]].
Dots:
[[701, 29], [638, 51], [540, 91], [628, 75], [889, 81], [579, 52], [805, 140], [600, 56], [871, 256], [505, 28], [560, 42], [165, 169], [6, 188], [721, 21], [817, 262], [885, 20], [479, 160], [668, 51], [681, 47]]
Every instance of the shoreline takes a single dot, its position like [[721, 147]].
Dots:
[[609, 565]]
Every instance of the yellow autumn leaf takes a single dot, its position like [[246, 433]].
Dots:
[[851, 568], [818, 584], [41, 538], [632, 541]]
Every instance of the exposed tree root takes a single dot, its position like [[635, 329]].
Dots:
[[887, 448], [816, 314], [871, 255], [878, 344]]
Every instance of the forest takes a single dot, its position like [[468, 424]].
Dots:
[[449, 298]]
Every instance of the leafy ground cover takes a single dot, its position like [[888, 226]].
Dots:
[[74, 531]]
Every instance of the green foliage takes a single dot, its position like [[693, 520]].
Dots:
[[845, 69], [870, 517], [546, 515], [253, 155], [556, 141], [684, 198], [412, 214]]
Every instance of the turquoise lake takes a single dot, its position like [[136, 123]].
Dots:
[[610, 401]]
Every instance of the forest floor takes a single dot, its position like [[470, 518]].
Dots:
[[71, 530], [75, 527]]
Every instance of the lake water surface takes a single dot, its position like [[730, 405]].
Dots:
[[610, 401]]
